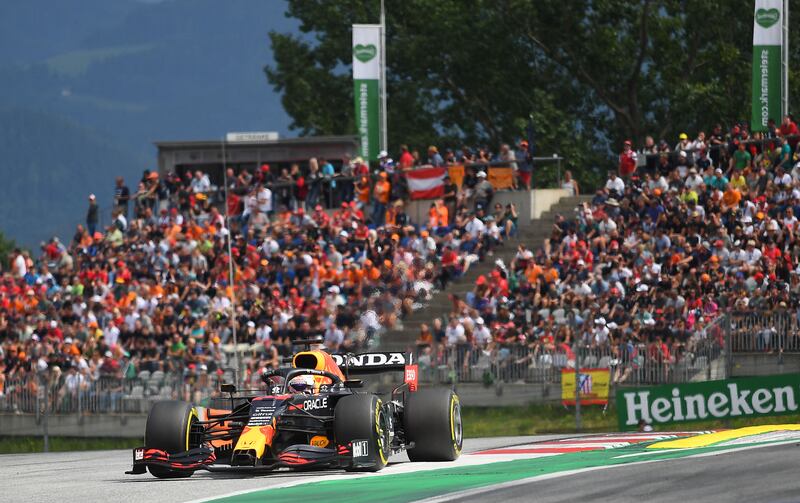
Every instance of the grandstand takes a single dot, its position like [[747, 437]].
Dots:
[[659, 275]]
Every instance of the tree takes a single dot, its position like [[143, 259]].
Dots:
[[590, 72], [6, 247]]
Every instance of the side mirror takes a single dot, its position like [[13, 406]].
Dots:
[[354, 383], [227, 388]]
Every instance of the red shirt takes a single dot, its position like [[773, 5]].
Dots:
[[449, 257], [627, 162], [406, 159]]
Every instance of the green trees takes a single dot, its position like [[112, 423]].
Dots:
[[591, 72]]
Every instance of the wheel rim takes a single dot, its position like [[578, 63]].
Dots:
[[457, 428]]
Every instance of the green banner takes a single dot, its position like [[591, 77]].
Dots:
[[725, 399], [766, 86], [767, 72], [367, 102]]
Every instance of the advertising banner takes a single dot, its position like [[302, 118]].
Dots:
[[366, 87], [594, 386], [724, 399], [767, 77]]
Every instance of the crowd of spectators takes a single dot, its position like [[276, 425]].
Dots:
[[164, 285], [641, 273]]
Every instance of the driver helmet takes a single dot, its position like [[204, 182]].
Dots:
[[302, 384]]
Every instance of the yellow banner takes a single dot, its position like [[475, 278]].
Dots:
[[594, 386], [501, 178]]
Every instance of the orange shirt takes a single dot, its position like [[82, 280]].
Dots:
[[382, 191], [443, 216], [731, 197]]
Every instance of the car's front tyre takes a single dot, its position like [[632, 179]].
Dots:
[[168, 429]]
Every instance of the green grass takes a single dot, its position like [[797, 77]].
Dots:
[[21, 445], [538, 419]]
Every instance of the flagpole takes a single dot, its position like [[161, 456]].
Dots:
[[785, 58], [384, 121], [232, 320]]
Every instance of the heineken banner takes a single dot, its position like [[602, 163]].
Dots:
[[767, 77], [726, 399], [366, 87]]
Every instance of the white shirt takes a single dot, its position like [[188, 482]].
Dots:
[[455, 334], [264, 198], [263, 332], [202, 184], [616, 185], [20, 269], [694, 181], [475, 227]]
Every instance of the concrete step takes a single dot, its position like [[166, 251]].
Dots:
[[531, 234]]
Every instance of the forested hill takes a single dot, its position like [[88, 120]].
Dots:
[[88, 86]]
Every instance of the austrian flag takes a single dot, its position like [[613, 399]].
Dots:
[[426, 183]]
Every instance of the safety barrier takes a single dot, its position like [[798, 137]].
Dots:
[[767, 331], [51, 393], [634, 363]]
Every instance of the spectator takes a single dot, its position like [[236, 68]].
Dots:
[[484, 192], [627, 160], [434, 158], [122, 195], [570, 184], [92, 215], [380, 198]]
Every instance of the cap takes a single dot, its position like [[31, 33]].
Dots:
[[683, 136], [383, 153], [682, 153], [91, 197], [481, 174], [333, 289], [479, 321], [627, 142]]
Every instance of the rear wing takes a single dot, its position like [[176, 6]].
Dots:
[[371, 363]]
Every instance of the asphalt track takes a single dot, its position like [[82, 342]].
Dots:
[[98, 476], [763, 474]]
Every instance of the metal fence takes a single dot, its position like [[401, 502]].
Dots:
[[51, 393], [764, 331], [630, 364]]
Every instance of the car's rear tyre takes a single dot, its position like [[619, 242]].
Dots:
[[168, 427], [432, 420], [362, 417]]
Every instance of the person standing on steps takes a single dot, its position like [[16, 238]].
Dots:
[[92, 215]]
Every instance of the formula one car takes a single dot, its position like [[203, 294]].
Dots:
[[310, 416]]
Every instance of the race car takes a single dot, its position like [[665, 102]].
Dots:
[[309, 416]]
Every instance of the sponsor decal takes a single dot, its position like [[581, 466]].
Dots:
[[360, 448], [315, 403], [767, 17], [261, 413], [319, 441], [765, 396], [412, 377], [365, 52], [138, 454], [371, 360]]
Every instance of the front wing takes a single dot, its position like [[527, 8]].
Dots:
[[300, 456]]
